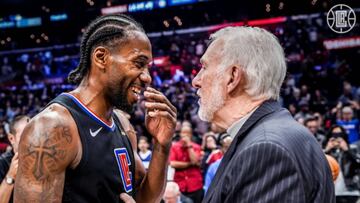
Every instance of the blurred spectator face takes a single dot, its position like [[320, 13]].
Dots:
[[319, 117], [313, 126], [143, 144], [186, 131], [209, 83], [16, 131], [172, 193], [347, 88], [337, 137], [2, 132], [225, 143], [210, 142], [292, 109], [304, 89], [347, 113]]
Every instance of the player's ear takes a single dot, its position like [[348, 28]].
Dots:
[[100, 58]]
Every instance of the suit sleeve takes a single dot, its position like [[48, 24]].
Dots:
[[266, 173]]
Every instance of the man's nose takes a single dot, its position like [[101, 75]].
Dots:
[[145, 77], [196, 81]]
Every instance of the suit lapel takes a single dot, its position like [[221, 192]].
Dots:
[[266, 108]]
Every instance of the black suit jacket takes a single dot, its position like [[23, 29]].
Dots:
[[272, 159]]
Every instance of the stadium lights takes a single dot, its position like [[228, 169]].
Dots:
[[281, 5], [108, 3], [267, 8]]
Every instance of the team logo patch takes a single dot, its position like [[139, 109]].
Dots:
[[123, 160]]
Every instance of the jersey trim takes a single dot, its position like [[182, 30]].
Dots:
[[91, 114]]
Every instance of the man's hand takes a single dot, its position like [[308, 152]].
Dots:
[[343, 145], [186, 140], [13, 166], [126, 198], [160, 117]]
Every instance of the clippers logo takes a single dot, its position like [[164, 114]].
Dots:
[[123, 160], [341, 18]]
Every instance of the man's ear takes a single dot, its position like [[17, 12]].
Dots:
[[100, 57], [11, 138], [236, 78]]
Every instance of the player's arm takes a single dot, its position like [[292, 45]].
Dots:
[[46, 149]]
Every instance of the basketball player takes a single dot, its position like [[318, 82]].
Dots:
[[77, 149]]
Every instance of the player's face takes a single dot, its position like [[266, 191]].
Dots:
[[129, 72], [209, 83]]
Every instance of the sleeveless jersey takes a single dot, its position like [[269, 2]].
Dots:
[[107, 165]]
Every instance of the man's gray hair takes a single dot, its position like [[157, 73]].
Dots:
[[259, 54]]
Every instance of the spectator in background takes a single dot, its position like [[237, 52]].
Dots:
[[347, 184], [185, 159], [350, 124], [208, 147], [313, 125], [144, 152], [303, 114], [225, 141], [9, 160], [6, 69], [3, 143], [348, 94], [172, 194]]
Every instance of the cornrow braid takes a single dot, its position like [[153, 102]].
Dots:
[[106, 30]]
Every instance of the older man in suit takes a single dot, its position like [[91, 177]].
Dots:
[[272, 158]]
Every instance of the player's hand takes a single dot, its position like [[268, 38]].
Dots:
[[160, 116], [13, 166], [126, 198]]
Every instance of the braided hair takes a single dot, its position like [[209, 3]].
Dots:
[[108, 31]]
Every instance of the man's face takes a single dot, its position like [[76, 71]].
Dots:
[[143, 145], [347, 116], [128, 72], [186, 132], [171, 197], [313, 126], [209, 82], [15, 138], [210, 142]]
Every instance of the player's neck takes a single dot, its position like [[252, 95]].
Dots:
[[91, 95]]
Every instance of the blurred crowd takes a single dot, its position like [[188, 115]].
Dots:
[[321, 91]]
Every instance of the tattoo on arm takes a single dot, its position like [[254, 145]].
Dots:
[[45, 156]]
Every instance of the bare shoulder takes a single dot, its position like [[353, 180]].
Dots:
[[49, 142], [129, 129], [47, 147], [124, 119]]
